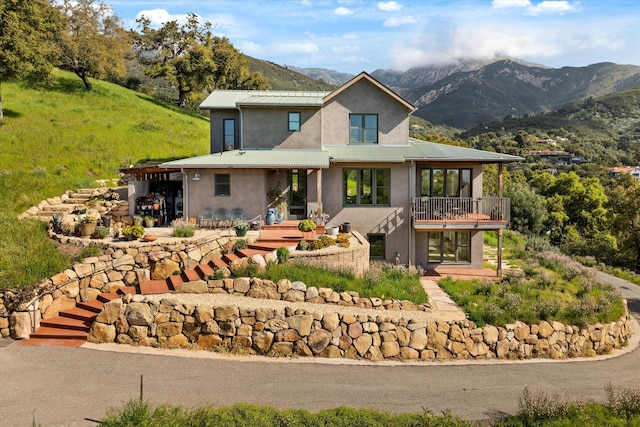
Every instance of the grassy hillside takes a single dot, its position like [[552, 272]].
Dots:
[[59, 137]]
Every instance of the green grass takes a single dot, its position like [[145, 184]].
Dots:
[[59, 137], [551, 287], [381, 281], [137, 413]]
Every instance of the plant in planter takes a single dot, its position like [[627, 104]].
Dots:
[[149, 221], [276, 198], [87, 225], [138, 220], [282, 210], [308, 228], [241, 228], [101, 233], [130, 232]]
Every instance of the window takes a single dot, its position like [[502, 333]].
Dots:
[[294, 122], [229, 137], [363, 128], [376, 245], [450, 247], [222, 184], [445, 182], [366, 186]]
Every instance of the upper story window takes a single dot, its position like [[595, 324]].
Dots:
[[222, 184], [229, 137], [363, 128], [366, 186], [445, 182], [294, 122]]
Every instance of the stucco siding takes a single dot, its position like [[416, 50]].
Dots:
[[216, 120], [365, 98], [269, 128]]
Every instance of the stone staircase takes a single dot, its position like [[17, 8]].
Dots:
[[71, 327], [65, 205]]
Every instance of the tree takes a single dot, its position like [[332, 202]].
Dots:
[[189, 57], [624, 207], [29, 30], [180, 53], [528, 211], [94, 43]]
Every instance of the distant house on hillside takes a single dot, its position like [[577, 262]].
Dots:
[[346, 153], [615, 172], [555, 157]]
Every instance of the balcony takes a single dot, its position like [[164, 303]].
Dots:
[[481, 213]]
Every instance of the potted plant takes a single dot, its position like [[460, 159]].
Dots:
[[137, 220], [241, 228], [308, 228], [101, 233], [282, 209], [56, 222], [130, 232], [276, 200], [149, 221], [87, 225]]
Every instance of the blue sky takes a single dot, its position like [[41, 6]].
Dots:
[[361, 35]]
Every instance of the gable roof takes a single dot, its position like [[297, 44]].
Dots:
[[232, 99], [364, 76], [256, 159]]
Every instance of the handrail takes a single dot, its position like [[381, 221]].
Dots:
[[471, 209]]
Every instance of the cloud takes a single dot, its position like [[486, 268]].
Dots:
[[548, 6], [499, 4], [394, 22], [159, 17], [345, 49], [292, 48], [343, 11], [389, 6]]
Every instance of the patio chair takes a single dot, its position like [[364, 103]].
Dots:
[[222, 217], [236, 215], [207, 218]]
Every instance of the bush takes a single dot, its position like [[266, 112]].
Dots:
[[240, 244], [303, 245], [101, 233], [306, 225], [182, 228], [344, 240], [283, 255]]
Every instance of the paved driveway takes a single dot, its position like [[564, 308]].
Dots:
[[59, 386]]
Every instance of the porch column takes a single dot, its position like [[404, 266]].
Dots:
[[319, 190], [499, 269]]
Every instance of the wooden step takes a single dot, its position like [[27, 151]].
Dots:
[[204, 270], [249, 252], [219, 263], [191, 275], [56, 333], [109, 296], [66, 323], [127, 290], [92, 305], [79, 313], [159, 286], [229, 258], [174, 281]]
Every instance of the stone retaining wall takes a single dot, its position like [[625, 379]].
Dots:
[[170, 323], [122, 264], [354, 259]]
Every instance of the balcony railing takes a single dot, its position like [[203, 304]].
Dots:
[[490, 210]]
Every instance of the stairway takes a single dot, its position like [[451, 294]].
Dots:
[[76, 200], [71, 327]]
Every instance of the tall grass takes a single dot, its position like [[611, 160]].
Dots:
[[59, 137]]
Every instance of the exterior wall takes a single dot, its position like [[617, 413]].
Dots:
[[248, 192], [391, 220], [268, 128], [365, 98], [216, 120]]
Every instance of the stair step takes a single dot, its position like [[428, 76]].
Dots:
[[127, 290], [52, 342], [249, 252], [66, 323], [191, 275], [229, 258], [204, 270], [154, 287], [175, 281], [109, 296], [92, 305], [47, 332], [219, 263], [79, 313]]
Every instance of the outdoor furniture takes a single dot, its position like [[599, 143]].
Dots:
[[207, 218], [222, 217], [236, 215]]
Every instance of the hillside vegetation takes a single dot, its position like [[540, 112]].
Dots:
[[58, 137]]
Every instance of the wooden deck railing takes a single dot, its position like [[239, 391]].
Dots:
[[489, 209]]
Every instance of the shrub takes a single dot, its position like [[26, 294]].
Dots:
[[101, 233], [283, 255], [303, 245], [306, 225], [240, 244], [182, 228], [344, 240], [326, 241]]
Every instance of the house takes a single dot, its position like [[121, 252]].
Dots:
[[615, 172], [346, 153]]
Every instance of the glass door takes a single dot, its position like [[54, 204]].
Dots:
[[297, 183]]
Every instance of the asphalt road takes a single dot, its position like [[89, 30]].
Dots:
[[58, 386]]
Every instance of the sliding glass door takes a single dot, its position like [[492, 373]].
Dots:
[[449, 247]]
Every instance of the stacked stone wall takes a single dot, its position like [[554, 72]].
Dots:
[[285, 332], [355, 259]]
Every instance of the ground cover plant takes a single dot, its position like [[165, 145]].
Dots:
[[60, 137], [549, 286], [140, 413], [382, 280]]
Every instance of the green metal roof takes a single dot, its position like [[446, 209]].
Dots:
[[414, 150], [260, 159], [229, 99]]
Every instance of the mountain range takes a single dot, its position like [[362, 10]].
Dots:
[[471, 93]]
